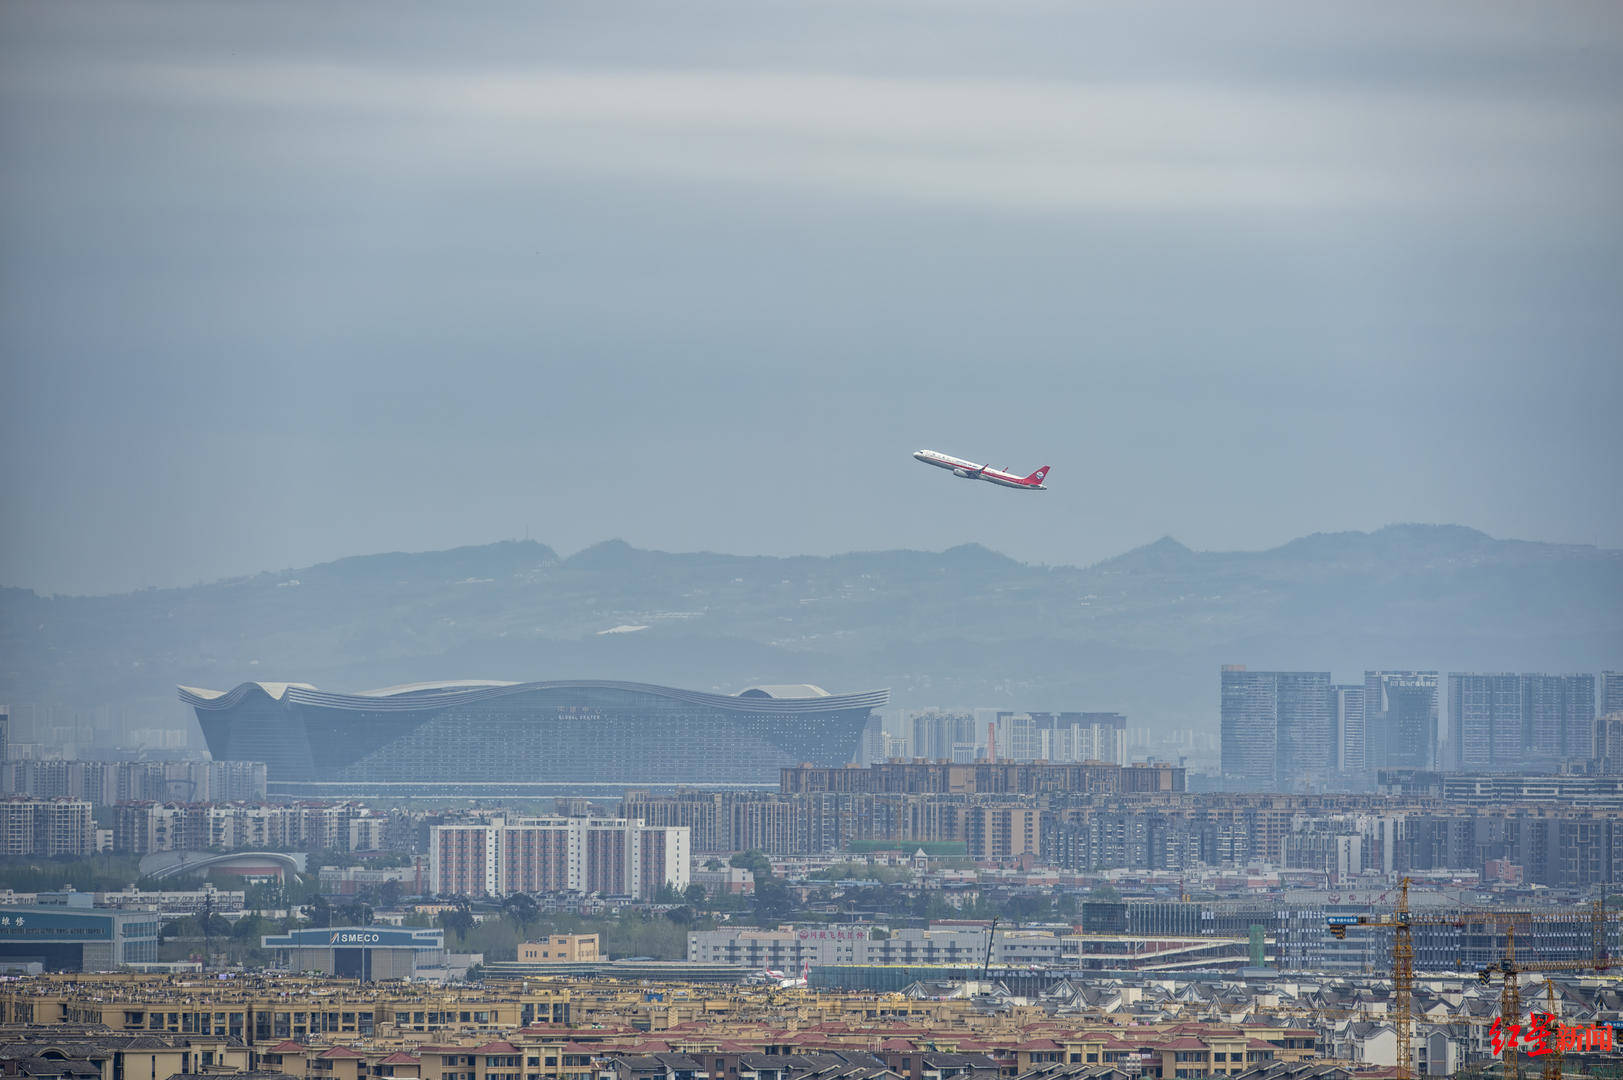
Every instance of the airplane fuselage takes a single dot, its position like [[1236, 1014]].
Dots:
[[970, 470]]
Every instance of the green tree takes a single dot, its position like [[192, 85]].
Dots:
[[1025, 908], [320, 911], [356, 914], [755, 861], [250, 928], [389, 894], [772, 901], [694, 895], [523, 910], [458, 921]]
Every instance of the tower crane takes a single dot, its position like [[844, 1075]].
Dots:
[[1510, 971], [1402, 922]]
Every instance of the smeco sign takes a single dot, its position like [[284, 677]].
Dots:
[[355, 937]]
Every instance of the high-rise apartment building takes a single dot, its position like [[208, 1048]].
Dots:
[[46, 827], [1277, 726], [1560, 711], [612, 856], [935, 735], [1400, 720], [1064, 737], [1484, 720], [1611, 692], [462, 860], [1506, 722], [1609, 744]]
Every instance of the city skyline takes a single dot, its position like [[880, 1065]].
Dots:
[[469, 608]]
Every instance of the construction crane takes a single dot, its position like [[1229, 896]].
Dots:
[[1552, 1068], [1402, 922], [991, 936], [1511, 970]]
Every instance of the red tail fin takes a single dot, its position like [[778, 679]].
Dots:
[[1037, 477]]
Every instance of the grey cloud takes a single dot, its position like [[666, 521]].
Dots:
[[288, 282]]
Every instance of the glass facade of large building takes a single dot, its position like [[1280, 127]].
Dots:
[[529, 733], [1278, 727]]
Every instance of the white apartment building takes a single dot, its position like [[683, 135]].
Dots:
[[608, 856]]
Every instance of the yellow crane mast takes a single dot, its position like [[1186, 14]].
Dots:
[[1510, 997], [1402, 922]]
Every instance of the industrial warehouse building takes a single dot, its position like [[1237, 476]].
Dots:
[[436, 736], [360, 952], [76, 937]]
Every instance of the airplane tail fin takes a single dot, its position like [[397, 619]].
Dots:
[[1038, 476]]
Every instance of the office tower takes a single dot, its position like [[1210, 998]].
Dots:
[[5, 732], [1347, 709], [1249, 726], [1400, 719], [1277, 726]]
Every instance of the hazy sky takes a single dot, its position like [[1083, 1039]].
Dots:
[[283, 282]]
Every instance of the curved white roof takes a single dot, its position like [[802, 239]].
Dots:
[[275, 690], [416, 697], [787, 690], [415, 687]]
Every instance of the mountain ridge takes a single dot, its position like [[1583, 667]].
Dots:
[[608, 551], [1142, 632]]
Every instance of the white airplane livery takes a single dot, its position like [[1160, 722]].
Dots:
[[971, 471]]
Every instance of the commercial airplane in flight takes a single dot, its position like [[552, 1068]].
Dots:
[[971, 471]]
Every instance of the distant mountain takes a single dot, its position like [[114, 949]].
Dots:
[[1143, 633]]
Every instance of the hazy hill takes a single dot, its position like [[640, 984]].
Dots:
[[1143, 632]]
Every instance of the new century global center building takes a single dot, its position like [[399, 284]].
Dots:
[[541, 734]]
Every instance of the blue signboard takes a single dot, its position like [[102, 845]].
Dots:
[[357, 937], [43, 924], [1341, 920]]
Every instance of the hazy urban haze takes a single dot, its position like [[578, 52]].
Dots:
[[872, 539], [287, 283]]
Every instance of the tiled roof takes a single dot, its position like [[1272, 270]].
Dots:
[[338, 1052]]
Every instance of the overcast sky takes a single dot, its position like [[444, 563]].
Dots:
[[281, 283]]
